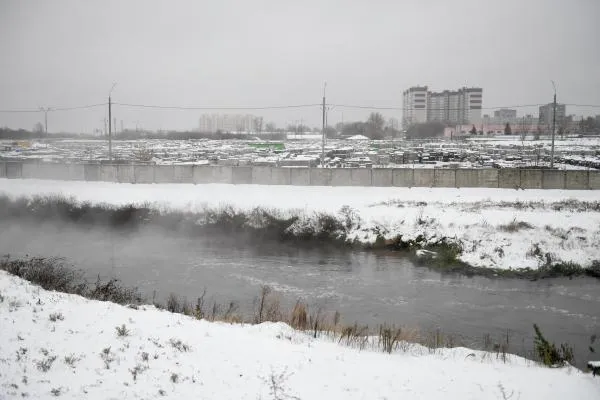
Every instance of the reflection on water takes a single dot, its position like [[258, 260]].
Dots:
[[364, 287]]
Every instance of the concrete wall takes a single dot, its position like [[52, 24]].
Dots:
[[423, 177], [164, 174], [403, 177], [108, 173], [91, 172], [576, 179], [382, 177], [125, 173], [14, 170], [553, 179], [218, 174], [183, 174], [336, 176], [281, 176], [531, 178], [321, 176], [444, 177], [263, 175], [299, 176], [241, 175], [60, 172], [145, 173], [594, 180], [509, 178]]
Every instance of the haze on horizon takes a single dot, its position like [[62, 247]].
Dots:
[[276, 52]]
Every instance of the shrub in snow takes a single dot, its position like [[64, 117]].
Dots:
[[548, 353]]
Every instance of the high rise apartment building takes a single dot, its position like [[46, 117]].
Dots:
[[462, 106], [226, 123]]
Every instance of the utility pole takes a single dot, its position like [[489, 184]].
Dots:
[[553, 127], [109, 123], [323, 139], [45, 110]]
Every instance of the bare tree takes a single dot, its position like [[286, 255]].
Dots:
[[271, 127], [258, 124], [38, 128], [375, 125]]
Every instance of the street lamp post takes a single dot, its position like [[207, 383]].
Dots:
[[109, 123], [553, 127], [45, 110]]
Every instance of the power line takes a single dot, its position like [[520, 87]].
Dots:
[[215, 108], [584, 105], [52, 109]]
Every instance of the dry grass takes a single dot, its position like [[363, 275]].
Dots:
[[515, 226]]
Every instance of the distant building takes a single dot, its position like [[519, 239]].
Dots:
[[505, 114], [212, 123], [462, 106], [414, 109], [547, 113]]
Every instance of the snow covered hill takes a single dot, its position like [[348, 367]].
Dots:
[[58, 345]]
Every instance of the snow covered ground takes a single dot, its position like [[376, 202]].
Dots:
[[479, 218], [59, 345]]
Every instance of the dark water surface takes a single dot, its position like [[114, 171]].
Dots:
[[364, 287]]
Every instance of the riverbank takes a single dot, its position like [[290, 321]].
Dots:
[[495, 232], [50, 337]]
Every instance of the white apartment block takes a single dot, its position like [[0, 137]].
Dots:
[[414, 109], [462, 106], [212, 123]]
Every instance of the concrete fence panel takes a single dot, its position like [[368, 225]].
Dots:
[[361, 177], [553, 179], [300, 176], [2, 170], [444, 178], [489, 177], [576, 179], [468, 178], [125, 173], [261, 175], [241, 175], [320, 176], [210, 174], [424, 177], [164, 174], [30, 170], [531, 178], [203, 174], [281, 176], [91, 172], [509, 178], [108, 173], [59, 172], [14, 170], [403, 177], [339, 177], [594, 180], [144, 174], [183, 173], [76, 172], [381, 177]]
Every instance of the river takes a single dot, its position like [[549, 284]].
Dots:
[[365, 287]]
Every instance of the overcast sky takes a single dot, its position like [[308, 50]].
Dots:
[[278, 52]]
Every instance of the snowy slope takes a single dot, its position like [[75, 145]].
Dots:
[[472, 216], [188, 359]]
